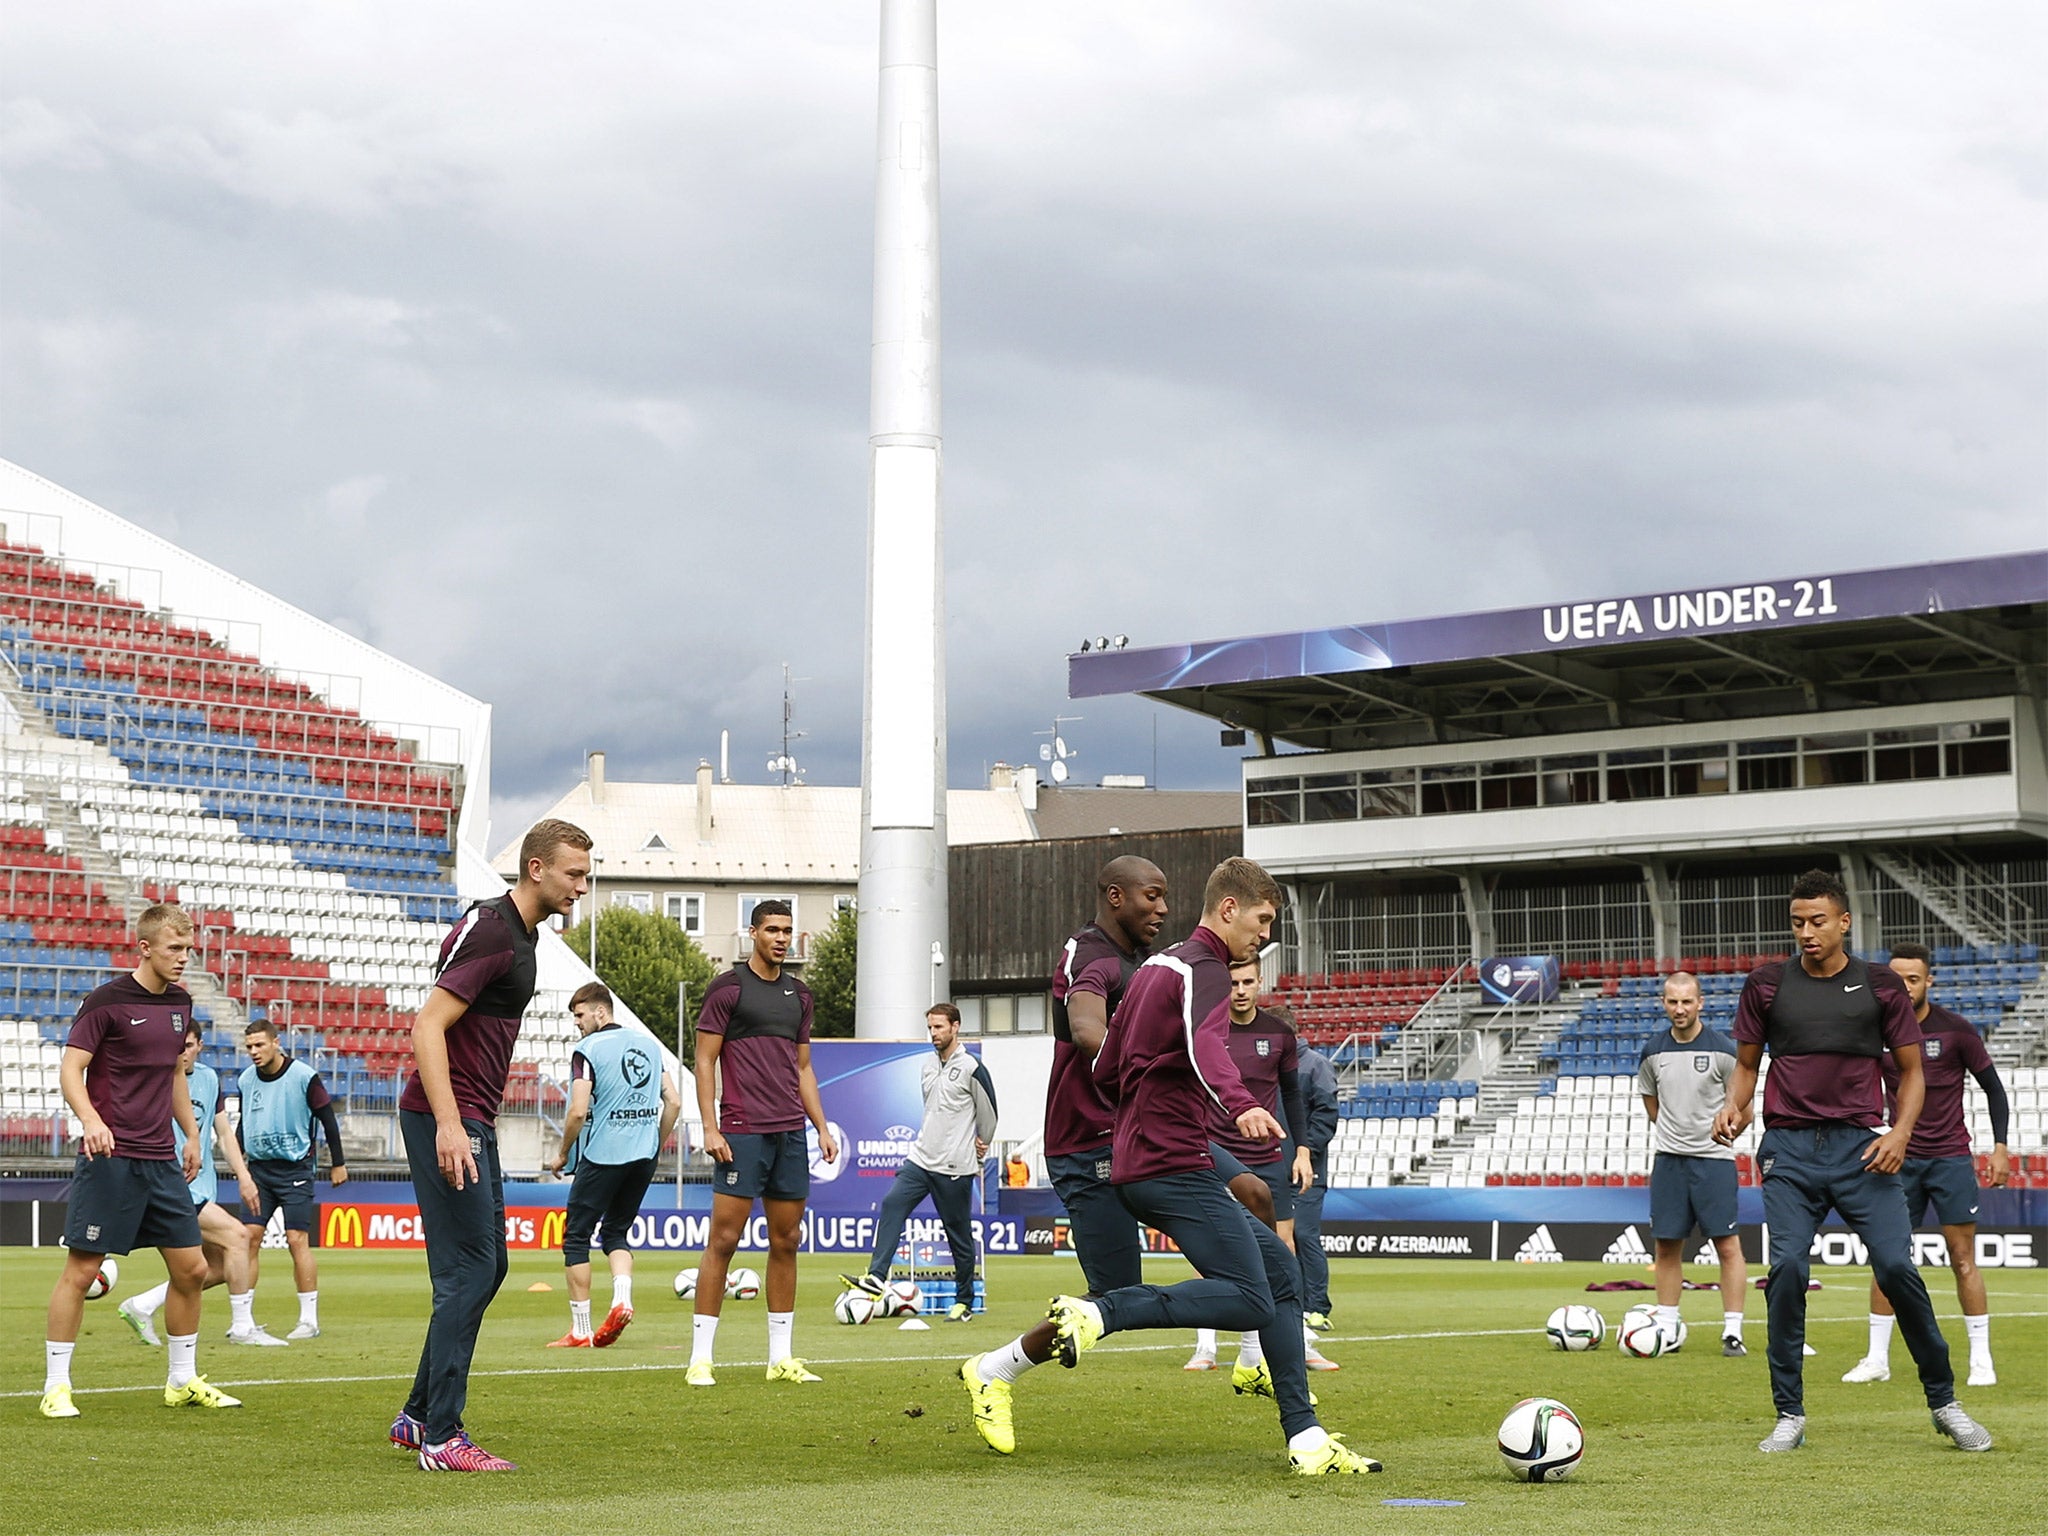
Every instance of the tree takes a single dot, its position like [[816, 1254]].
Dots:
[[643, 959], [830, 974]]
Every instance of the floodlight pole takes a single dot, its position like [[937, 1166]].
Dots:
[[901, 914]]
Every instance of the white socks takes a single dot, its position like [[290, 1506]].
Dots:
[[148, 1302], [1979, 1330], [703, 1334], [579, 1319], [309, 1308], [184, 1356], [1667, 1322], [1314, 1438], [1731, 1325], [242, 1311], [1249, 1350], [622, 1291], [781, 1329], [1205, 1341], [1880, 1336], [56, 1365], [1005, 1364]]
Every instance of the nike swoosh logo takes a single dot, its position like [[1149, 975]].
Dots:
[[1857, 988], [133, 1022]]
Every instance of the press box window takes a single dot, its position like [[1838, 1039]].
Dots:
[[1509, 785], [1386, 792], [1979, 748], [1840, 758], [1273, 802], [1329, 797], [1571, 780], [1636, 775], [1903, 755], [1766, 764], [1450, 788], [1701, 770]]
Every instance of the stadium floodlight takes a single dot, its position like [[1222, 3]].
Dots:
[[1120, 641], [1086, 645], [901, 905], [1102, 642]]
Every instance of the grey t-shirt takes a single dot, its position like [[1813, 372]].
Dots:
[[1689, 1083]]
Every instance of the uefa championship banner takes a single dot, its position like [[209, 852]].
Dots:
[[1520, 979], [874, 1105], [873, 1095]]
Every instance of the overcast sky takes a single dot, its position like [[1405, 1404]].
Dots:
[[530, 342]]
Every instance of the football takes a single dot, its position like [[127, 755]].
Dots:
[[902, 1299], [103, 1282], [686, 1284], [743, 1285], [1641, 1337], [855, 1307], [1576, 1328], [1540, 1440]]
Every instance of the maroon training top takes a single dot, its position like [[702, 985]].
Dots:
[[1824, 1087], [1166, 1065], [1266, 1057], [1077, 1116], [763, 1023], [135, 1036], [487, 961], [1951, 1051]]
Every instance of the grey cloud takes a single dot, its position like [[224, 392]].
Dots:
[[534, 348]]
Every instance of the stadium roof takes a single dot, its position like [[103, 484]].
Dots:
[[1065, 810], [1823, 641]]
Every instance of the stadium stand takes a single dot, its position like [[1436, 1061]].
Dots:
[[1600, 784], [148, 760]]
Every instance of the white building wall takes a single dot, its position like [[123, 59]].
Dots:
[[1734, 821]]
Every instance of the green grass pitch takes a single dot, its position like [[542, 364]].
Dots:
[[1433, 1354]]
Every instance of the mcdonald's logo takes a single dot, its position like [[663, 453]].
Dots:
[[551, 1226], [343, 1227]]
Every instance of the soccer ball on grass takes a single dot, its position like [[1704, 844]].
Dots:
[[686, 1284], [855, 1307], [1642, 1337], [901, 1298], [1576, 1327], [1540, 1440], [743, 1285]]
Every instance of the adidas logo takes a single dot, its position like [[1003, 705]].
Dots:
[[1706, 1255], [1538, 1248], [1626, 1249]]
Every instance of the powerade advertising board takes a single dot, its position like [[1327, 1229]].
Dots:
[[1520, 979]]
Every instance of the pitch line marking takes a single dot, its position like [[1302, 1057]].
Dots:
[[683, 1365]]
